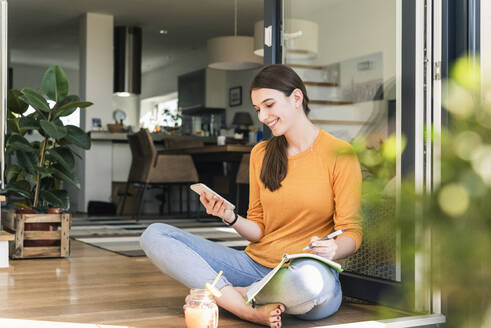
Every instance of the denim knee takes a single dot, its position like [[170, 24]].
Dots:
[[152, 233], [314, 284]]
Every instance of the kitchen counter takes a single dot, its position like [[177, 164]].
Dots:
[[122, 137], [113, 161]]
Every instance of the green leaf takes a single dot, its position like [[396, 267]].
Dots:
[[68, 108], [28, 123], [48, 183], [44, 171], [77, 136], [35, 100], [62, 156], [12, 172], [63, 194], [13, 125], [17, 142], [55, 83], [69, 99], [65, 112], [54, 130], [75, 153], [80, 104], [21, 188], [66, 176], [66, 100], [27, 160], [22, 205], [37, 145], [56, 198], [14, 103]]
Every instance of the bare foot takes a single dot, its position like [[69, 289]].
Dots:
[[269, 314]]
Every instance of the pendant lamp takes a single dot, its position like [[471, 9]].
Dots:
[[301, 39], [232, 52]]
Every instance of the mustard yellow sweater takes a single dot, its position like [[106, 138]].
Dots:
[[320, 193]]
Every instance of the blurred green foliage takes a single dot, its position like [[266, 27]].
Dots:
[[457, 212]]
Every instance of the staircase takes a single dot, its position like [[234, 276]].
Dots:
[[332, 109]]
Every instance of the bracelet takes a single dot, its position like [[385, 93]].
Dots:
[[234, 220]]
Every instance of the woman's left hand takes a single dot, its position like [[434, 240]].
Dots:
[[324, 248]]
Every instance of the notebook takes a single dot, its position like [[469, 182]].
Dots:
[[257, 286]]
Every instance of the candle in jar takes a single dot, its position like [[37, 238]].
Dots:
[[200, 317], [201, 310]]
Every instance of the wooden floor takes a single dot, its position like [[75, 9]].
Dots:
[[100, 287]]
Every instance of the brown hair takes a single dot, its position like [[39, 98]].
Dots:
[[282, 78]]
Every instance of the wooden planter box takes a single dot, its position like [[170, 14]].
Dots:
[[21, 247]]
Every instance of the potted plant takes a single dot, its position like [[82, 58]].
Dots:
[[172, 121], [42, 165], [41, 148]]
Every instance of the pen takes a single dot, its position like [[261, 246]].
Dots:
[[329, 236]]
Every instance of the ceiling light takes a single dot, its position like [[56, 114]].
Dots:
[[232, 52], [163, 31]]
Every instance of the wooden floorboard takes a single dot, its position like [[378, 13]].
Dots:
[[100, 287]]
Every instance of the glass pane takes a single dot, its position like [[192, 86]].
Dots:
[[345, 51]]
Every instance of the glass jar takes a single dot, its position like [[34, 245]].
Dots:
[[201, 310]]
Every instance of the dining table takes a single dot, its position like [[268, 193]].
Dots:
[[217, 167]]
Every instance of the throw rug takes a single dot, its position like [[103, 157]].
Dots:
[[122, 234]]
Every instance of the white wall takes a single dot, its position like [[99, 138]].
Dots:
[[130, 105], [242, 79], [164, 80], [350, 29], [96, 85], [216, 81], [30, 76], [96, 67]]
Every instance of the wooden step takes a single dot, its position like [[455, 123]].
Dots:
[[330, 102], [320, 84], [306, 66], [5, 236]]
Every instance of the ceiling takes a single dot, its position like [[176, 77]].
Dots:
[[45, 32]]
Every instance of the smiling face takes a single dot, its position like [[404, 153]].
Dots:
[[276, 110]]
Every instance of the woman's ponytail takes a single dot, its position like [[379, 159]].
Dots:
[[284, 79]]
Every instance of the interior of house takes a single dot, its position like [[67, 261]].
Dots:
[[168, 82]]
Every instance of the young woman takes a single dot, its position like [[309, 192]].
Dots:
[[303, 186]]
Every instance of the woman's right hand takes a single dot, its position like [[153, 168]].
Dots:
[[216, 206]]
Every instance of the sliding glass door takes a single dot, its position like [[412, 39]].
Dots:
[[368, 70]]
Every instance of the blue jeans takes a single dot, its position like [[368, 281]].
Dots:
[[307, 288]]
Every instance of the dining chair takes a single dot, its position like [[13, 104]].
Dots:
[[151, 169], [242, 176]]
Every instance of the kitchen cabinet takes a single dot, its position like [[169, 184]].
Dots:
[[202, 98], [202, 88]]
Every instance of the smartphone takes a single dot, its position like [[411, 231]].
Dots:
[[200, 188]]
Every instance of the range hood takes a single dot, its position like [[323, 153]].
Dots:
[[127, 60]]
